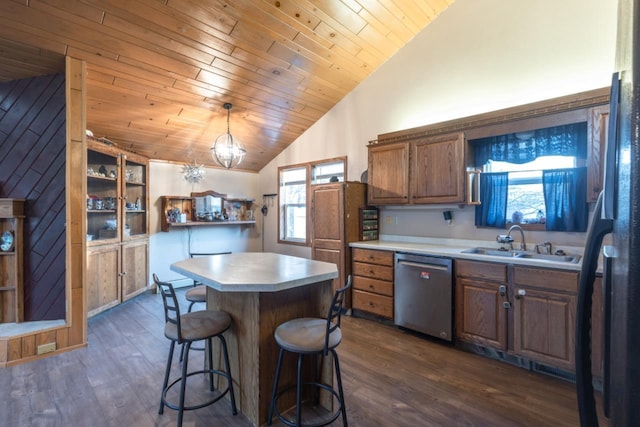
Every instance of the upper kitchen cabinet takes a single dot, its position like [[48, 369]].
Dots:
[[388, 174], [422, 171], [437, 171]]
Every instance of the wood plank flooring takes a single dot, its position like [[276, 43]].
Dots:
[[391, 378]]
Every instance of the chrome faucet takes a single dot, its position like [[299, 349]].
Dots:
[[523, 245]]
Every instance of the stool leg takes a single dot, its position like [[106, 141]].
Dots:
[[183, 382], [299, 392], [340, 392], [227, 365], [275, 388], [166, 377], [210, 361]]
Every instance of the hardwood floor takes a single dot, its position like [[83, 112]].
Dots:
[[391, 378]]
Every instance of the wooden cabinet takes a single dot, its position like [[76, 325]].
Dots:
[[544, 315], [423, 171], [373, 281], [518, 309], [117, 226], [335, 224], [11, 260], [481, 294], [437, 171], [598, 129], [388, 174]]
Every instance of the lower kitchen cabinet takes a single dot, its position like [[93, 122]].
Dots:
[[540, 326], [373, 281], [481, 316], [544, 315], [115, 273]]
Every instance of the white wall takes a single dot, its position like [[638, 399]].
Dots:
[[478, 56], [167, 247]]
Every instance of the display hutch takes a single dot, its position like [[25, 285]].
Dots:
[[207, 208], [11, 267], [117, 225]]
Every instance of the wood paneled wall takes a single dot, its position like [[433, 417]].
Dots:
[[32, 167]]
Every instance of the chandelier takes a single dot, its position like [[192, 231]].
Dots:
[[193, 173], [227, 150]]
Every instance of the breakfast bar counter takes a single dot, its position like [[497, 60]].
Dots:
[[260, 291]]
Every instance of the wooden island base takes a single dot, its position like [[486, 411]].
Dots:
[[252, 347]]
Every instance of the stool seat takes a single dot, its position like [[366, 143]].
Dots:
[[197, 294], [306, 335], [199, 325]]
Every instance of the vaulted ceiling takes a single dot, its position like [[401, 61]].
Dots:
[[159, 71]]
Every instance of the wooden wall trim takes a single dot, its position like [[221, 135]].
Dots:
[[502, 117]]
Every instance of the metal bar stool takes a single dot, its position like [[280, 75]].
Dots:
[[311, 336], [185, 329]]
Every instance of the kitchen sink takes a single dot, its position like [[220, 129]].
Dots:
[[511, 253]]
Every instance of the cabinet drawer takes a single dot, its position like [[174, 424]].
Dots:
[[373, 303], [380, 272], [372, 256], [558, 280], [482, 270], [373, 285]]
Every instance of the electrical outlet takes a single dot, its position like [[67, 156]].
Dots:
[[47, 348]]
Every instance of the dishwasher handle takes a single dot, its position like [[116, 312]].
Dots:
[[423, 265]]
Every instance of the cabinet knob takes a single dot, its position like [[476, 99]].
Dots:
[[521, 293], [506, 304], [503, 290]]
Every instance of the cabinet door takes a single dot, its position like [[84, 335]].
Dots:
[[134, 269], [327, 223], [481, 317], [388, 174], [544, 326], [437, 170], [598, 128], [134, 191], [103, 280]]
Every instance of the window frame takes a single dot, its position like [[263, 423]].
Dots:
[[308, 167]]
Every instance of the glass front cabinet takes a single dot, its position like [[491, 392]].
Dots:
[[117, 225]]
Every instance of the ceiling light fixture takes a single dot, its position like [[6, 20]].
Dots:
[[227, 150], [193, 173]]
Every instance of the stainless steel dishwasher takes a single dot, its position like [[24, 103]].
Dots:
[[423, 294]]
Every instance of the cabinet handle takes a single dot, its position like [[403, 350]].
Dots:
[[506, 304], [521, 293], [503, 290]]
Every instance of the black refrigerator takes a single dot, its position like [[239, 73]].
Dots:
[[617, 214]]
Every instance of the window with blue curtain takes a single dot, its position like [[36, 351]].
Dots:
[[493, 196], [565, 199], [564, 190]]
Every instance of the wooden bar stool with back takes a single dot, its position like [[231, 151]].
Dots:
[[313, 337], [186, 329]]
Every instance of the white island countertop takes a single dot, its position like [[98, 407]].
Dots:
[[255, 271]]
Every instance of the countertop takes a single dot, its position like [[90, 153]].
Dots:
[[453, 248], [255, 271]]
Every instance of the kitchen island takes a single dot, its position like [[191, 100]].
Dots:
[[260, 291]]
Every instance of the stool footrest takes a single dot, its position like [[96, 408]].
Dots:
[[323, 422], [221, 394]]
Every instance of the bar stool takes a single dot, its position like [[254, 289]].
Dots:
[[185, 329], [197, 294], [311, 336]]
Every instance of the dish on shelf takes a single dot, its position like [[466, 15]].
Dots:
[[7, 241]]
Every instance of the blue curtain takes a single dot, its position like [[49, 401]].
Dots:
[[524, 147], [493, 196], [565, 199]]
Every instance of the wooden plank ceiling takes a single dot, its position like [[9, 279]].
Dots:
[[159, 71]]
